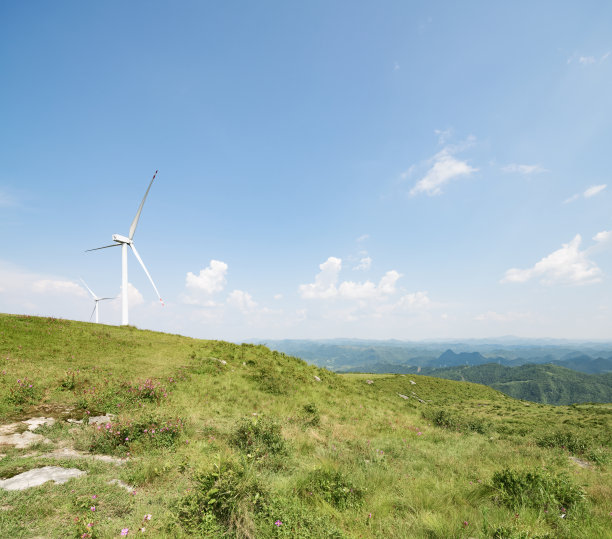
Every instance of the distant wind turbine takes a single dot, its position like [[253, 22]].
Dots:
[[124, 242], [96, 300]]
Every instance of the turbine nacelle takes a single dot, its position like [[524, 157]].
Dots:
[[121, 239]]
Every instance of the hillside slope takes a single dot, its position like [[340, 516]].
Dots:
[[235, 440]]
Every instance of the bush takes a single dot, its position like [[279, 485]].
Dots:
[[226, 497], [117, 437], [565, 440], [259, 437], [22, 392], [536, 489], [447, 420], [333, 487], [311, 415]]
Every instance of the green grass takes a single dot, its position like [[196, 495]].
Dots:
[[248, 443]]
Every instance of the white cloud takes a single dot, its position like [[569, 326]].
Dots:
[[363, 237], [603, 236], [278, 296], [414, 300], [586, 60], [134, 296], [210, 280], [325, 281], [524, 169], [243, 301], [364, 264], [568, 265], [501, 317], [444, 169], [587, 193], [58, 287], [594, 190]]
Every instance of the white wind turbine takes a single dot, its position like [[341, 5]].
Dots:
[[124, 242], [96, 300]]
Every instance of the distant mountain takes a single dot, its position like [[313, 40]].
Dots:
[[354, 355], [549, 384]]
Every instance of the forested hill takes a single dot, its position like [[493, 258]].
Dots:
[[549, 384]]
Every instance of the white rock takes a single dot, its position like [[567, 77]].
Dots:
[[23, 440], [36, 422], [39, 476]]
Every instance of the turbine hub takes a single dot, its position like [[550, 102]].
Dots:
[[121, 239]]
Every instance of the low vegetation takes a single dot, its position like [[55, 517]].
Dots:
[[213, 439]]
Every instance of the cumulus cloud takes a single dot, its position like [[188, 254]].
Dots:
[[243, 301], [568, 265], [444, 169], [591, 191], [325, 281], [525, 170], [326, 284], [587, 60], [210, 280], [59, 287], [134, 296], [603, 236], [364, 264]]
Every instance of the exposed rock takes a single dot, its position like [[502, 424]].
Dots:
[[403, 396], [101, 419], [67, 453], [23, 440], [11, 428], [413, 382], [39, 476], [369, 381], [36, 422], [317, 378], [582, 463]]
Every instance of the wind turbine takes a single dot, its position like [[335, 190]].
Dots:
[[96, 300], [124, 242]]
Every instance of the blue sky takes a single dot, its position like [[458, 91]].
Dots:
[[326, 169]]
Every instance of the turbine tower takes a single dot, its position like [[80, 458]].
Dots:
[[124, 242], [96, 300]]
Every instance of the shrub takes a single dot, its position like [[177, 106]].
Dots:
[[333, 487], [565, 440], [116, 437], [536, 489], [226, 497], [259, 437], [447, 420], [22, 392], [311, 415]]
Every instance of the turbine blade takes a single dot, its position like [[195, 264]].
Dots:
[[102, 299], [146, 271], [90, 290], [105, 247], [92, 312], [135, 221]]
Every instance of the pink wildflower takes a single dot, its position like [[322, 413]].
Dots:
[[93, 507], [125, 531], [278, 523]]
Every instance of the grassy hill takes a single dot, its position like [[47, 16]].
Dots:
[[237, 440], [549, 384]]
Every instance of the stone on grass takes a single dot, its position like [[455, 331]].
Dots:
[[121, 484], [317, 378], [39, 476], [36, 422], [23, 440]]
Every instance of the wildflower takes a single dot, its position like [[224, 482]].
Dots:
[[465, 523], [94, 496], [369, 515], [278, 523], [90, 524], [93, 507], [143, 529], [147, 517], [125, 531], [419, 433]]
